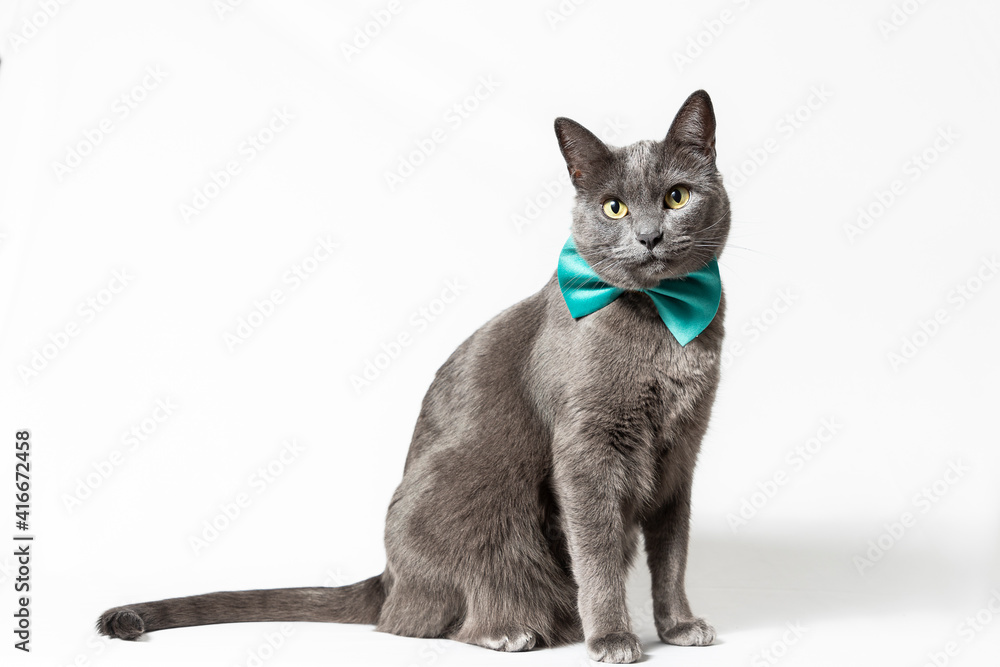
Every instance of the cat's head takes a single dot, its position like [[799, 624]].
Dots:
[[651, 210]]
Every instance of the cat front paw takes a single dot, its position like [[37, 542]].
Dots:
[[692, 632], [616, 647]]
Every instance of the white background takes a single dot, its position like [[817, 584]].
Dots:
[[821, 108]]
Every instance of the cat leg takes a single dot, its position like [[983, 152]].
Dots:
[[590, 485], [666, 535], [493, 622], [518, 599], [417, 608]]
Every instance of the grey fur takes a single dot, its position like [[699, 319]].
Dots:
[[545, 444]]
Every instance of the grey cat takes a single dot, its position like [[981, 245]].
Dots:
[[545, 443]]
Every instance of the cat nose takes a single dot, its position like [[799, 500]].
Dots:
[[650, 240]]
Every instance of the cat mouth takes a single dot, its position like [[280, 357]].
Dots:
[[665, 260], [650, 258], [651, 268]]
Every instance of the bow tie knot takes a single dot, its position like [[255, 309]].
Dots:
[[687, 305]]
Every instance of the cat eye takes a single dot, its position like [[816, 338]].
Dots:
[[677, 197], [615, 209]]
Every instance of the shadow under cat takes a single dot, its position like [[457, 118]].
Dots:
[[746, 582]]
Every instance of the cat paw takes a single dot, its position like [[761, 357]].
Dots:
[[121, 624], [617, 647], [694, 632], [511, 642]]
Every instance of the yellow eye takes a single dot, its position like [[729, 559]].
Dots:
[[615, 209], [677, 197]]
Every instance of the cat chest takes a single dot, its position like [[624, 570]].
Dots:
[[661, 398], [646, 389]]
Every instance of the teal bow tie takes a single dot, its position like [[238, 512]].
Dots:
[[687, 305]]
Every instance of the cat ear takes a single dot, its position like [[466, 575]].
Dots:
[[694, 125], [585, 154]]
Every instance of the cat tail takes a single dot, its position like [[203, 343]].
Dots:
[[356, 603]]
